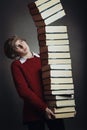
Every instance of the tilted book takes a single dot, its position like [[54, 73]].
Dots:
[[46, 12], [40, 2], [46, 5], [50, 19]]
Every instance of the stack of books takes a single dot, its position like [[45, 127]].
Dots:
[[55, 57], [57, 70], [45, 12]]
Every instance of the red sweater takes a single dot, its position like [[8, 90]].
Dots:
[[27, 79]]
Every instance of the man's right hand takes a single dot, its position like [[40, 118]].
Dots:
[[49, 113]]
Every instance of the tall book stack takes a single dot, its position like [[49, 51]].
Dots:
[[55, 57]]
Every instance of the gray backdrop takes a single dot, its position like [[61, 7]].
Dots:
[[15, 19]]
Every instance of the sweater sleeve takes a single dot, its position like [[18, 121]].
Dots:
[[23, 89]]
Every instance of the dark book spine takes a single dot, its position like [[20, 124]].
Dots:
[[44, 55], [42, 43], [41, 30], [34, 11], [36, 16], [32, 6], [40, 23], [42, 37]]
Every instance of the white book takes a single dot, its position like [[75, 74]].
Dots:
[[40, 2], [61, 103], [54, 55], [53, 36], [50, 29], [57, 81], [56, 61], [58, 97], [65, 115], [57, 73], [54, 42], [58, 86], [57, 36], [56, 67], [61, 48], [59, 92], [64, 109], [54, 17], [47, 5], [54, 9]]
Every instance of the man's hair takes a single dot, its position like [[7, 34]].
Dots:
[[9, 47]]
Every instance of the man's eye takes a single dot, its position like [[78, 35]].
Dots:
[[18, 46]]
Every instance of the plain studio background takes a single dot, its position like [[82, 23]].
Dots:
[[15, 19]]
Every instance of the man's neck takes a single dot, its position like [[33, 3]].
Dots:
[[28, 55]]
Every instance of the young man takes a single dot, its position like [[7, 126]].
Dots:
[[26, 72]]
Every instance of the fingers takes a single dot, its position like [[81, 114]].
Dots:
[[50, 113]]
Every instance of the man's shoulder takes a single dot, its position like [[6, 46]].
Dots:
[[15, 63]]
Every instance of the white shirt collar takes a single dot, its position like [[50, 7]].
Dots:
[[23, 60]]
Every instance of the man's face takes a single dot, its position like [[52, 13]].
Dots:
[[21, 47]]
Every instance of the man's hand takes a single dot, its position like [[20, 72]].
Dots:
[[49, 113]]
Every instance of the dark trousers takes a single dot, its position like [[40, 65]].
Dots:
[[56, 124]]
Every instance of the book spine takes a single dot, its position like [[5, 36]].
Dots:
[[32, 6], [35, 13]]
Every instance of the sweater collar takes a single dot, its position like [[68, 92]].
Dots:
[[23, 60]]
